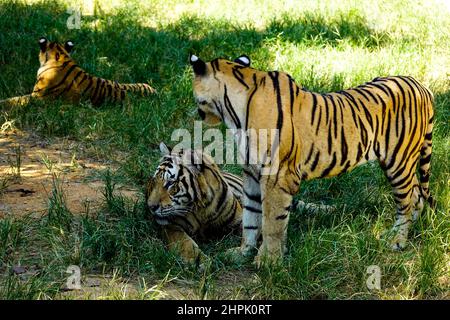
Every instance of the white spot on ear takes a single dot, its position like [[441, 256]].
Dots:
[[70, 43], [194, 58], [244, 60], [42, 40]]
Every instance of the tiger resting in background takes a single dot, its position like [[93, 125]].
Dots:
[[60, 76], [389, 120]]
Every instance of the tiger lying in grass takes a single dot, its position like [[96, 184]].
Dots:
[[191, 200], [60, 76]]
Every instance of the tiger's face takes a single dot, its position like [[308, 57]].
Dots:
[[169, 193], [208, 86], [53, 51]]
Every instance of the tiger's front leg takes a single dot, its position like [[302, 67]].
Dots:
[[252, 215], [181, 242], [276, 204]]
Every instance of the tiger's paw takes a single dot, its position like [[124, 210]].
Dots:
[[399, 242], [266, 257], [203, 262], [398, 245], [267, 260], [242, 252]]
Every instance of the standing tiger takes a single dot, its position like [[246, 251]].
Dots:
[[320, 135], [191, 198], [60, 76]]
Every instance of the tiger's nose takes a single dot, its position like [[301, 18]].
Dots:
[[153, 208]]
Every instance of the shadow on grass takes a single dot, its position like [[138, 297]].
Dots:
[[117, 46]]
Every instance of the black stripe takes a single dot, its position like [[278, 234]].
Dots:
[[253, 197], [240, 77], [315, 162], [97, 86], [276, 85], [249, 174], [309, 154], [367, 113], [252, 209], [425, 160], [388, 132], [330, 138], [369, 92], [88, 86], [361, 92], [68, 72], [249, 101], [330, 167], [314, 108], [344, 146], [325, 97], [359, 154], [334, 116], [215, 65], [399, 144], [231, 110]]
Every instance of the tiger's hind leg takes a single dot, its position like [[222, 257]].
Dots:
[[407, 199]]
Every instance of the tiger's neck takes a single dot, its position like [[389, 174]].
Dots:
[[235, 103]]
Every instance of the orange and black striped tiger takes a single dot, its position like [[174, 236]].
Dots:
[[193, 200], [389, 120], [60, 76]]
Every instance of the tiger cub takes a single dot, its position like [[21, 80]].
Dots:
[[60, 76], [192, 200]]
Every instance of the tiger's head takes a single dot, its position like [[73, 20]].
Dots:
[[178, 185], [53, 51], [210, 84]]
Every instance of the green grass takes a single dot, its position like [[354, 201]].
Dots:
[[325, 47]]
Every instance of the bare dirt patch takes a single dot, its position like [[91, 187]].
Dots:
[[29, 164]]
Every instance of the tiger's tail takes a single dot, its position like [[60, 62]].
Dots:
[[16, 101], [425, 163], [141, 88]]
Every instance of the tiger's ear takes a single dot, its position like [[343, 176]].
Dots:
[[244, 60], [43, 43], [165, 150], [68, 46], [198, 65]]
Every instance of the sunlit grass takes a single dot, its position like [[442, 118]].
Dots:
[[324, 45]]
